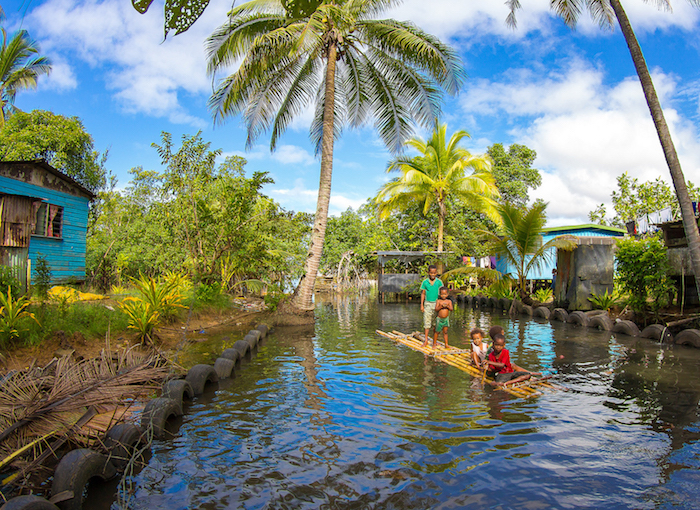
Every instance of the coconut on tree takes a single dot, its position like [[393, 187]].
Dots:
[[337, 57], [606, 12], [442, 171], [20, 68]]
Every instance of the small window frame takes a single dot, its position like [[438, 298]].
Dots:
[[48, 221]]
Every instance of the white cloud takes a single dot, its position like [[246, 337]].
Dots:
[[61, 78], [586, 133], [292, 155], [146, 73], [301, 199]]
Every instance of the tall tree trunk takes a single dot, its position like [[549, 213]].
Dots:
[[674, 165], [441, 224], [313, 259]]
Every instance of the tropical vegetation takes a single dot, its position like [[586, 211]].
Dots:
[[519, 241], [439, 174], [20, 68], [606, 12], [337, 58]]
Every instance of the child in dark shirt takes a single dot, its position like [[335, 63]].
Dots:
[[504, 371]]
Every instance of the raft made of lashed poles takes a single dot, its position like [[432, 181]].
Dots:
[[461, 359]]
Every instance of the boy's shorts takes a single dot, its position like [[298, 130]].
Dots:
[[428, 314], [442, 323], [509, 376]]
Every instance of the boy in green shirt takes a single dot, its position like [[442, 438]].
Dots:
[[429, 293]]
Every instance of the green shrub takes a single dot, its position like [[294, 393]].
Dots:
[[606, 300], [7, 280], [542, 295], [13, 317], [642, 273], [42, 278]]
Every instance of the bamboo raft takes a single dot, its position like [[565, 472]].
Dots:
[[460, 358]]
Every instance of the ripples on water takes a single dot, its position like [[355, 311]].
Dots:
[[337, 417]]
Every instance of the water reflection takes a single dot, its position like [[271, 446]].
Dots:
[[337, 417]]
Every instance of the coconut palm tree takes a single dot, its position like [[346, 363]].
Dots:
[[337, 58], [605, 12], [20, 68], [519, 240], [438, 173]]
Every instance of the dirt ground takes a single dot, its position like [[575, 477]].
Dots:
[[170, 337]]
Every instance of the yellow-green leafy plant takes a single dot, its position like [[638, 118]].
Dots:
[[179, 279], [542, 295], [605, 300], [13, 313], [163, 297], [142, 318]]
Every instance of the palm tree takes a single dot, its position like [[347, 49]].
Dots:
[[338, 58], [438, 173], [605, 12], [20, 68], [519, 240]]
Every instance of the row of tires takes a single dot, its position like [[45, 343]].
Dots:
[[598, 319], [78, 467]]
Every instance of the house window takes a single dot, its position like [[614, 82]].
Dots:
[[49, 220]]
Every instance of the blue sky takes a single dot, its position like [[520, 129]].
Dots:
[[573, 96]]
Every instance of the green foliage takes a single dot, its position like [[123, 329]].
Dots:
[[8, 281], [542, 295], [61, 141], [42, 278], [142, 318], [519, 239], [439, 172], [513, 172], [642, 273], [605, 301], [273, 298], [20, 69], [207, 293], [164, 297], [13, 316]]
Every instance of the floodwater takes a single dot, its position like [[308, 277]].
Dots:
[[336, 417]]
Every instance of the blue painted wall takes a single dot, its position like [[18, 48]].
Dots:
[[66, 256], [545, 270]]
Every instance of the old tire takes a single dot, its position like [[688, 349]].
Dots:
[[264, 330], [224, 367], [200, 375], [252, 341], [157, 413], [242, 346], [559, 314], [601, 321], [469, 301], [690, 337], [628, 328], [505, 303], [579, 318], [178, 390], [28, 503], [256, 334], [75, 471], [232, 354], [542, 311], [658, 332], [120, 442], [526, 310]]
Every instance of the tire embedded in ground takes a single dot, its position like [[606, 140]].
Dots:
[[28, 503], [252, 341], [625, 327], [579, 318], [178, 390], [224, 367], [232, 354], [74, 472], [526, 310], [658, 332], [120, 442], [559, 314], [200, 375], [689, 337], [601, 321], [542, 311], [264, 330], [157, 413], [242, 346]]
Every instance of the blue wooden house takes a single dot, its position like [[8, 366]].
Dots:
[[544, 272], [43, 212]]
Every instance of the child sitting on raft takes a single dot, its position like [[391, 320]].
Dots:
[[479, 348], [505, 372]]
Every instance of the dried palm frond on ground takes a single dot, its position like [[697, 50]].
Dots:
[[41, 408]]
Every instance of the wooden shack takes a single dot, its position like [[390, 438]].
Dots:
[[43, 212]]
